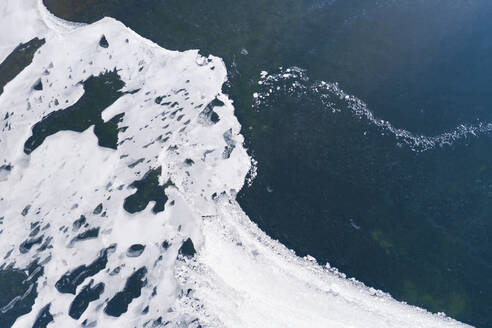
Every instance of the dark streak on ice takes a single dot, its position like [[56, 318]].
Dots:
[[133, 288], [84, 297], [44, 317], [70, 280], [19, 59], [29, 243], [88, 234]]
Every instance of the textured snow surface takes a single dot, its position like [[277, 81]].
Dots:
[[176, 119]]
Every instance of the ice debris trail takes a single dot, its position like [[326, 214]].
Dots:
[[295, 82], [119, 166]]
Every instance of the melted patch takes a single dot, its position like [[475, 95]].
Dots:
[[87, 295], [148, 189], [44, 317], [100, 92], [119, 303], [187, 249], [70, 280], [135, 250]]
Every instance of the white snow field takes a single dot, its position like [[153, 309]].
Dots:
[[239, 277]]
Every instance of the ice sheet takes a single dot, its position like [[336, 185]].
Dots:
[[176, 118]]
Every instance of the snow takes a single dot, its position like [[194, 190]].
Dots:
[[239, 277]]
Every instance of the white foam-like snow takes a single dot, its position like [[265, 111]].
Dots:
[[20, 22], [239, 276]]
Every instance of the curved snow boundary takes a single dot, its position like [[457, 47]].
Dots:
[[20, 22], [239, 277], [54, 23]]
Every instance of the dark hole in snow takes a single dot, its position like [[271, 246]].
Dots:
[[70, 280], [138, 161], [34, 231], [135, 250], [78, 223], [26, 209], [103, 42], [158, 100], [38, 85], [84, 297], [44, 317], [98, 209], [208, 116], [100, 92], [214, 117], [90, 324], [165, 244], [133, 288], [45, 245], [88, 234], [6, 167], [29, 243], [148, 189], [187, 249]]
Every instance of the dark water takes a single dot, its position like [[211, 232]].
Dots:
[[415, 224], [17, 61], [18, 292]]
